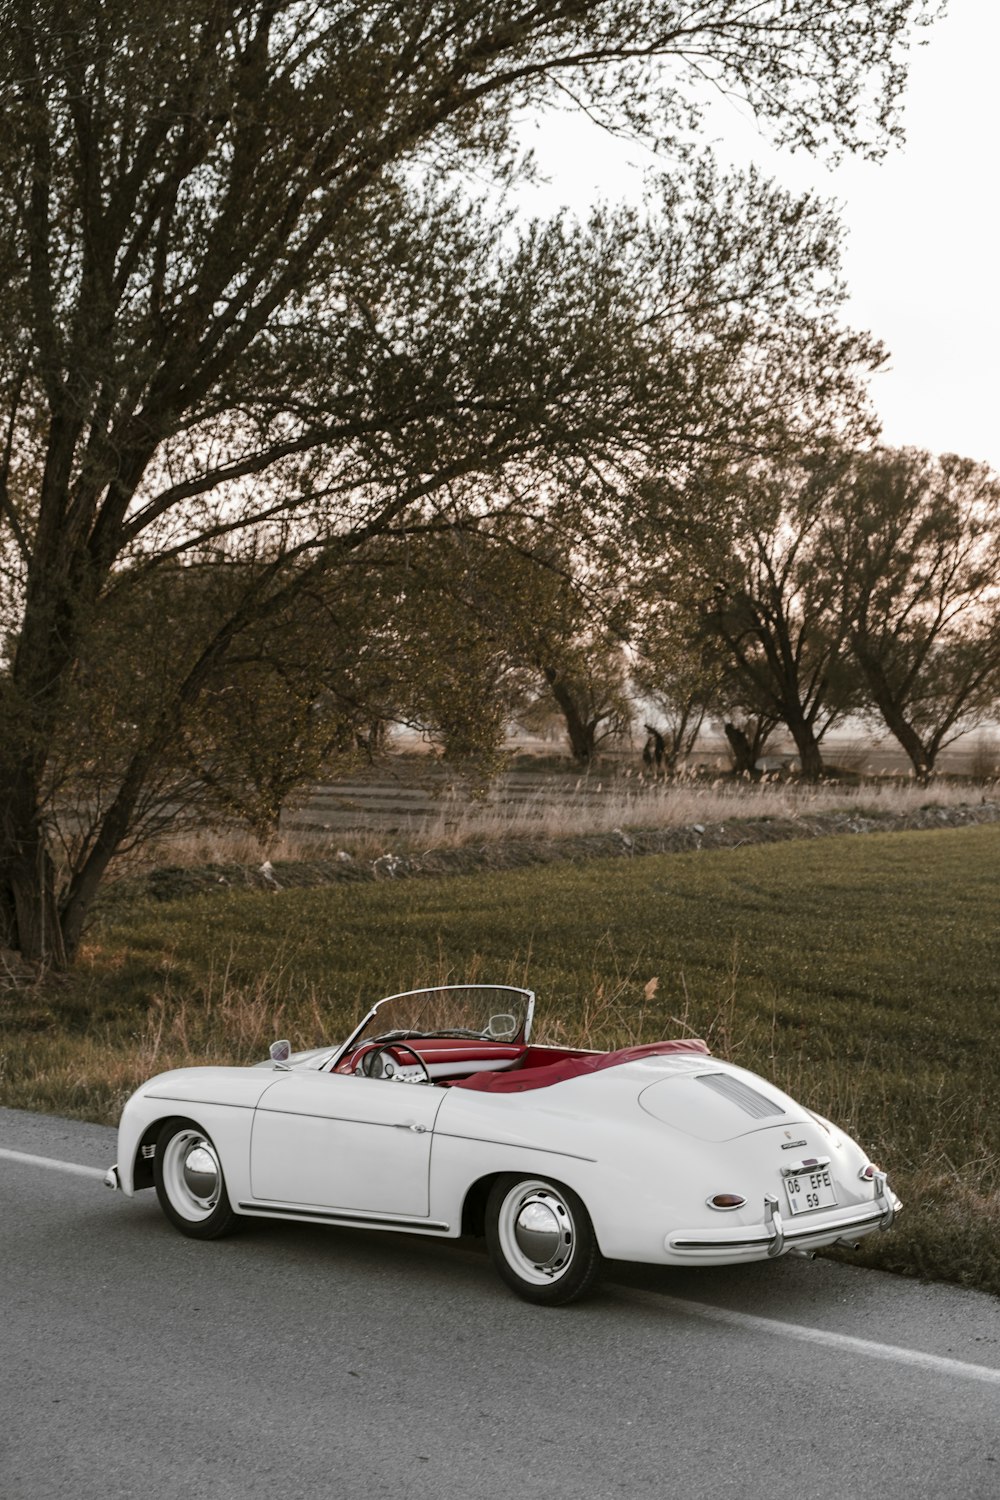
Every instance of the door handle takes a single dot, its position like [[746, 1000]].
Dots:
[[417, 1129]]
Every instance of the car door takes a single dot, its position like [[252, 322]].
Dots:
[[333, 1140]]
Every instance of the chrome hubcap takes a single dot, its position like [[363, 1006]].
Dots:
[[201, 1174], [192, 1174], [536, 1232]]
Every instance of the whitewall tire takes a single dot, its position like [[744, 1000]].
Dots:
[[541, 1240], [190, 1183]]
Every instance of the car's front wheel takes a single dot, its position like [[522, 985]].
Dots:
[[541, 1240], [189, 1182]]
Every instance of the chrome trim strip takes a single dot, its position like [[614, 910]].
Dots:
[[755, 1244], [343, 1216], [301, 1114], [187, 1099]]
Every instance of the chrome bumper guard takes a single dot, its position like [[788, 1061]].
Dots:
[[111, 1178], [773, 1225], [885, 1196]]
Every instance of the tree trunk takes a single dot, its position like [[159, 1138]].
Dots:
[[29, 912], [744, 759], [920, 756], [807, 745], [581, 731]]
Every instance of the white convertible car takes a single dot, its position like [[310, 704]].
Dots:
[[438, 1117]]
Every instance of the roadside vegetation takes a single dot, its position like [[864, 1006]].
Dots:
[[368, 824], [859, 974]]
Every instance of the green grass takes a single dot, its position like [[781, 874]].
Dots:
[[862, 974]]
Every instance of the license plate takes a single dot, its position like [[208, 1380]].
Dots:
[[810, 1189]]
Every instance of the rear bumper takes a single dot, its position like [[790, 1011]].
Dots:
[[776, 1236]]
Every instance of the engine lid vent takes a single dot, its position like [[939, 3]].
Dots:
[[740, 1094]]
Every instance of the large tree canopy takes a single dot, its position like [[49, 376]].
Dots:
[[249, 310], [747, 557]]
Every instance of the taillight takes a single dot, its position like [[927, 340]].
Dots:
[[726, 1200], [867, 1173]]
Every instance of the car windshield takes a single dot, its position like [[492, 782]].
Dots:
[[488, 1012]]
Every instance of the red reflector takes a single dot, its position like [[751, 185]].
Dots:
[[727, 1200]]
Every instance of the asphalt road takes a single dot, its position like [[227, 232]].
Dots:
[[295, 1361]]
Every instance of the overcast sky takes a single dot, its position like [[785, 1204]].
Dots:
[[922, 250]]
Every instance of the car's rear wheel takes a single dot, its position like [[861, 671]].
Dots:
[[189, 1182], [541, 1240]]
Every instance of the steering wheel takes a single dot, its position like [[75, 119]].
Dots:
[[366, 1065]]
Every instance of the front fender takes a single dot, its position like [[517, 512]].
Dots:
[[219, 1100]]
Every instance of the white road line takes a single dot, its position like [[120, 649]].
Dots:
[[936, 1363], [56, 1166]]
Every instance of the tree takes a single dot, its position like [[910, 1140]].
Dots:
[[587, 680], [684, 670], [913, 545], [747, 735], [512, 621], [754, 573], [267, 723], [455, 677], [673, 672], [246, 313]]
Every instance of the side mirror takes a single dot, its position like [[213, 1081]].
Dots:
[[501, 1026], [279, 1053]]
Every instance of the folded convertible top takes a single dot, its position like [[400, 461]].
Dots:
[[523, 1078]]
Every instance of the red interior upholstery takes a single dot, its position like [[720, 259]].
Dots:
[[467, 1049], [537, 1070], [448, 1054], [511, 1067]]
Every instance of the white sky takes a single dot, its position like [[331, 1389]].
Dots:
[[922, 253]]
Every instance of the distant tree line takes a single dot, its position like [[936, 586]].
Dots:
[[761, 595], [799, 593], [772, 593]]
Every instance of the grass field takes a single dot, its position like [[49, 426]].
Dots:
[[861, 974]]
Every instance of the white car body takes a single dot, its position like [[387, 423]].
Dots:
[[645, 1139]]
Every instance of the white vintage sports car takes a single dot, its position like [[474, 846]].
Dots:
[[438, 1117]]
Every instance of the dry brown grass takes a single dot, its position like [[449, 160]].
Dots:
[[587, 806]]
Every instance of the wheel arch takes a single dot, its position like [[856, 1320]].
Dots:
[[474, 1203], [145, 1149]]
